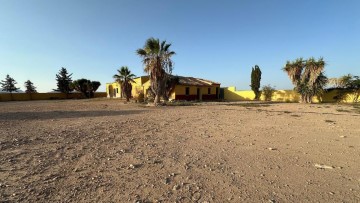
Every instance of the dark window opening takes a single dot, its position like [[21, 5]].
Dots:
[[187, 91], [209, 90]]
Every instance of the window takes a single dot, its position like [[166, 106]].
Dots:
[[209, 90], [117, 90], [187, 90]]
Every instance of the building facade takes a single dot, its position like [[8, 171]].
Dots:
[[187, 88]]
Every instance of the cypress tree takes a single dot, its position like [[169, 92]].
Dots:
[[8, 84], [255, 81], [30, 88], [63, 81]]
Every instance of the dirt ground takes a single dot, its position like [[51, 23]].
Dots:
[[107, 151]]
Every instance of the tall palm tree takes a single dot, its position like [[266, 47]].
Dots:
[[157, 62], [307, 76], [124, 78]]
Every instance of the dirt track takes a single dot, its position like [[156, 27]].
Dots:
[[107, 151]]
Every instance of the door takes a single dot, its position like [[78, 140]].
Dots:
[[198, 93], [221, 95]]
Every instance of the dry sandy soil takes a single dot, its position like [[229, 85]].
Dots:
[[108, 151]]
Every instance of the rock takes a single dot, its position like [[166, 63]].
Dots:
[[167, 181], [176, 187], [196, 196], [270, 148], [323, 166]]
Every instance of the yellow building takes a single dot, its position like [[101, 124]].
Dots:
[[113, 90], [188, 88]]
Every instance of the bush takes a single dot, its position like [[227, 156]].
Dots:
[[268, 92], [140, 97], [150, 96]]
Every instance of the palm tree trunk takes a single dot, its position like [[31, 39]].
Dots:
[[157, 99], [309, 99]]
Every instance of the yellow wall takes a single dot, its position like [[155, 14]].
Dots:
[[181, 90], [231, 94], [139, 85], [113, 89], [44, 96]]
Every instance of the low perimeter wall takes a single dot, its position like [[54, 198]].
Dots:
[[231, 94], [44, 96]]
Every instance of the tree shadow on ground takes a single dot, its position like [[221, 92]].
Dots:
[[63, 114]]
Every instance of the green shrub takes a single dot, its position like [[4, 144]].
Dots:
[[268, 92]]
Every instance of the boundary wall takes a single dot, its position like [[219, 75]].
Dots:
[[44, 96], [231, 94]]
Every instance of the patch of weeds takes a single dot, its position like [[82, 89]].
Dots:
[[329, 121], [180, 103], [294, 115], [287, 112], [249, 104], [356, 108], [342, 110]]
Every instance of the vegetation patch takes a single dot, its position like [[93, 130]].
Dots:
[[181, 103], [329, 121], [342, 110], [356, 108], [250, 104]]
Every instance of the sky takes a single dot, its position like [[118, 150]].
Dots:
[[215, 40]]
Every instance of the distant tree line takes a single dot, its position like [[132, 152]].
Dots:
[[64, 83]]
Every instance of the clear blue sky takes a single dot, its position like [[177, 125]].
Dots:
[[216, 40]]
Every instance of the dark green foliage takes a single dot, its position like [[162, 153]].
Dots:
[[124, 78], [63, 80], [171, 82], [8, 84], [307, 76], [347, 84], [352, 86], [95, 85], [268, 92], [255, 81], [85, 86], [29, 86]]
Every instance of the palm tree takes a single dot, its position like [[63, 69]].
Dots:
[[157, 62], [124, 78], [307, 76]]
